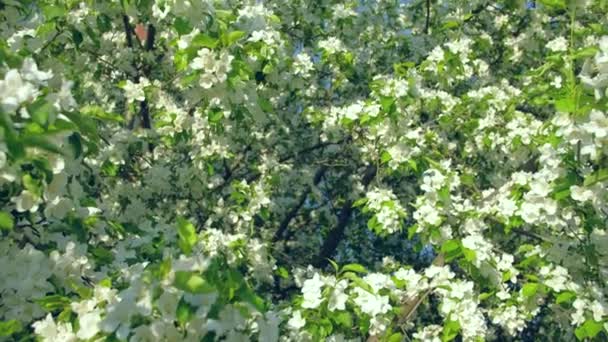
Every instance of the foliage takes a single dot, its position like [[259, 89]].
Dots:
[[303, 170]]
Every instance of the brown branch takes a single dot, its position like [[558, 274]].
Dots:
[[128, 30], [50, 41], [427, 23], [294, 211], [409, 307], [144, 110], [337, 234]]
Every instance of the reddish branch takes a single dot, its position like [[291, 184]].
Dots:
[[148, 35]]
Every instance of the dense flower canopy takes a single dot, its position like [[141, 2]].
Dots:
[[303, 170]]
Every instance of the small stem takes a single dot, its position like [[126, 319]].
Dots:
[[427, 24]]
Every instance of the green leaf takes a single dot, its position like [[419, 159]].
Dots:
[[93, 35], [469, 254], [358, 281], [554, 4], [85, 124], [215, 116], [354, 268], [334, 265], [187, 235], [589, 329], [184, 312], [450, 331], [104, 23], [566, 105], [282, 272], [77, 37], [396, 337], [40, 111], [530, 289], [192, 283], [451, 249], [344, 319], [202, 40], [360, 202], [485, 295], [385, 157], [53, 302], [585, 52], [51, 11], [265, 104], [450, 24], [245, 293], [565, 297], [40, 142], [102, 255], [596, 177], [8, 328], [182, 26], [232, 37], [6, 221], [15, 147], [30, 184], [99, 113], [76, 142]]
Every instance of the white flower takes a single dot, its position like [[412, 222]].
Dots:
[[378, 281], [479, 245], [159, 13], [340, 11], [378, 325], [580, 194], [302, 64], [311, 290], [557, 82], [578, 317], [205, 60], [597, 125], [509, 318], [436, 55], [51, 332], [461, 289], [134, 91], [337, 299], [556, 278], [15, 91], [26, 201], [430, 333], [269, 327], [89, 325], [58, 207], [296, 322], [64, 99], [30, 72], [507, 207], [558, 44], [599, 310], [427, 213], [371, 304], [331, 45]]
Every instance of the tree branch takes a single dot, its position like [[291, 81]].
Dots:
[[129, 36], [427, 23], [337, 234], [409, 307], [294, 211], [144, 110]]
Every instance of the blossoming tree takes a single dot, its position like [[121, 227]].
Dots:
[[303, 170]]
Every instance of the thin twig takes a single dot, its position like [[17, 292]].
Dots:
[[427, 24]]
